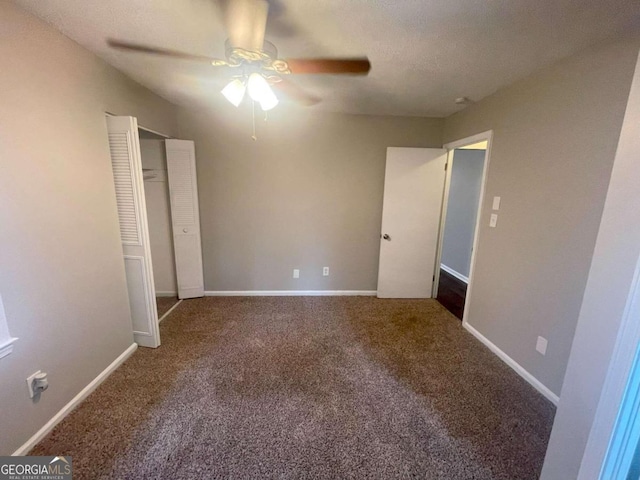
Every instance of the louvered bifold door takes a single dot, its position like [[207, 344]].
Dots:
[[185, 217], [134, 229]]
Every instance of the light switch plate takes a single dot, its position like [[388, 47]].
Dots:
[[493, 221], [541, 345], [496, 203]]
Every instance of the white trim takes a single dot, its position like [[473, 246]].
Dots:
[[169, 311], [488, 136], [443, 214], [452, 272], [166, 294], [75, 401], [140, 127], [514, 365], [7, 347], [478, 137], [155, 132], [615, 384], [290, 293], [141, 334]]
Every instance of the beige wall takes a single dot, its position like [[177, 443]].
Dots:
[[555, 135], [306, 194], [61, 269]]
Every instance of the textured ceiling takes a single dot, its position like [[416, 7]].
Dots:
[[424, 53]]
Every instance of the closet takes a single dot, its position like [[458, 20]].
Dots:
[[156, 193]]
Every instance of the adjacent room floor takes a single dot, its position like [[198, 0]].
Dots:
[[309, 387], [452, 293]]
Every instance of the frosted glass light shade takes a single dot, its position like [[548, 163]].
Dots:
[[260, 91], [269, 101], [234, 91]]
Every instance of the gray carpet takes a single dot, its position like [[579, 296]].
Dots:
[[309, 387]]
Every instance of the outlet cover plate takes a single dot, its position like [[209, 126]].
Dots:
[[30, 383], [541, 345]]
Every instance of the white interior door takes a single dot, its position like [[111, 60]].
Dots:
[[185, 217], [134, 229], [413, 192]]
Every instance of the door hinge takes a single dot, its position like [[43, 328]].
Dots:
[[434, 277], [445, 166]]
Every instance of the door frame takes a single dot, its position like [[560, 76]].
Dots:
[[140, 127], [451, 147], [615, 432]]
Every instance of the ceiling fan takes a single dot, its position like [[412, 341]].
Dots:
[[258, 66]]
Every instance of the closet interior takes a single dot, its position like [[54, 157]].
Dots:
[[156, 192]]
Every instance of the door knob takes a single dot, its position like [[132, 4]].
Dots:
[[386, 237], [185, 230]]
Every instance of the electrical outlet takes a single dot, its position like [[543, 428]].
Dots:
[[325, 271], [541, 345], [30, 379], [296, 273], [493, 221]]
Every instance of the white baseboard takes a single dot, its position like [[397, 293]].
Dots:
[[515, 365], [166, 294], [169, 311], [451, 271], [75, 401], [291, 293]]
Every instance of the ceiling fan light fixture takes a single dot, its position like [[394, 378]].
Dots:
[[269, 101], [234, 91], [261, 92]]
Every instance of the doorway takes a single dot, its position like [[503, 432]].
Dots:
[[156, 192], [460, 219], [466, 164], [417, 190]]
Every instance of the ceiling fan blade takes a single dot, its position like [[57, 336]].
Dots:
[[136, 47], [294, 92], [246, 21], [339, 66]]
